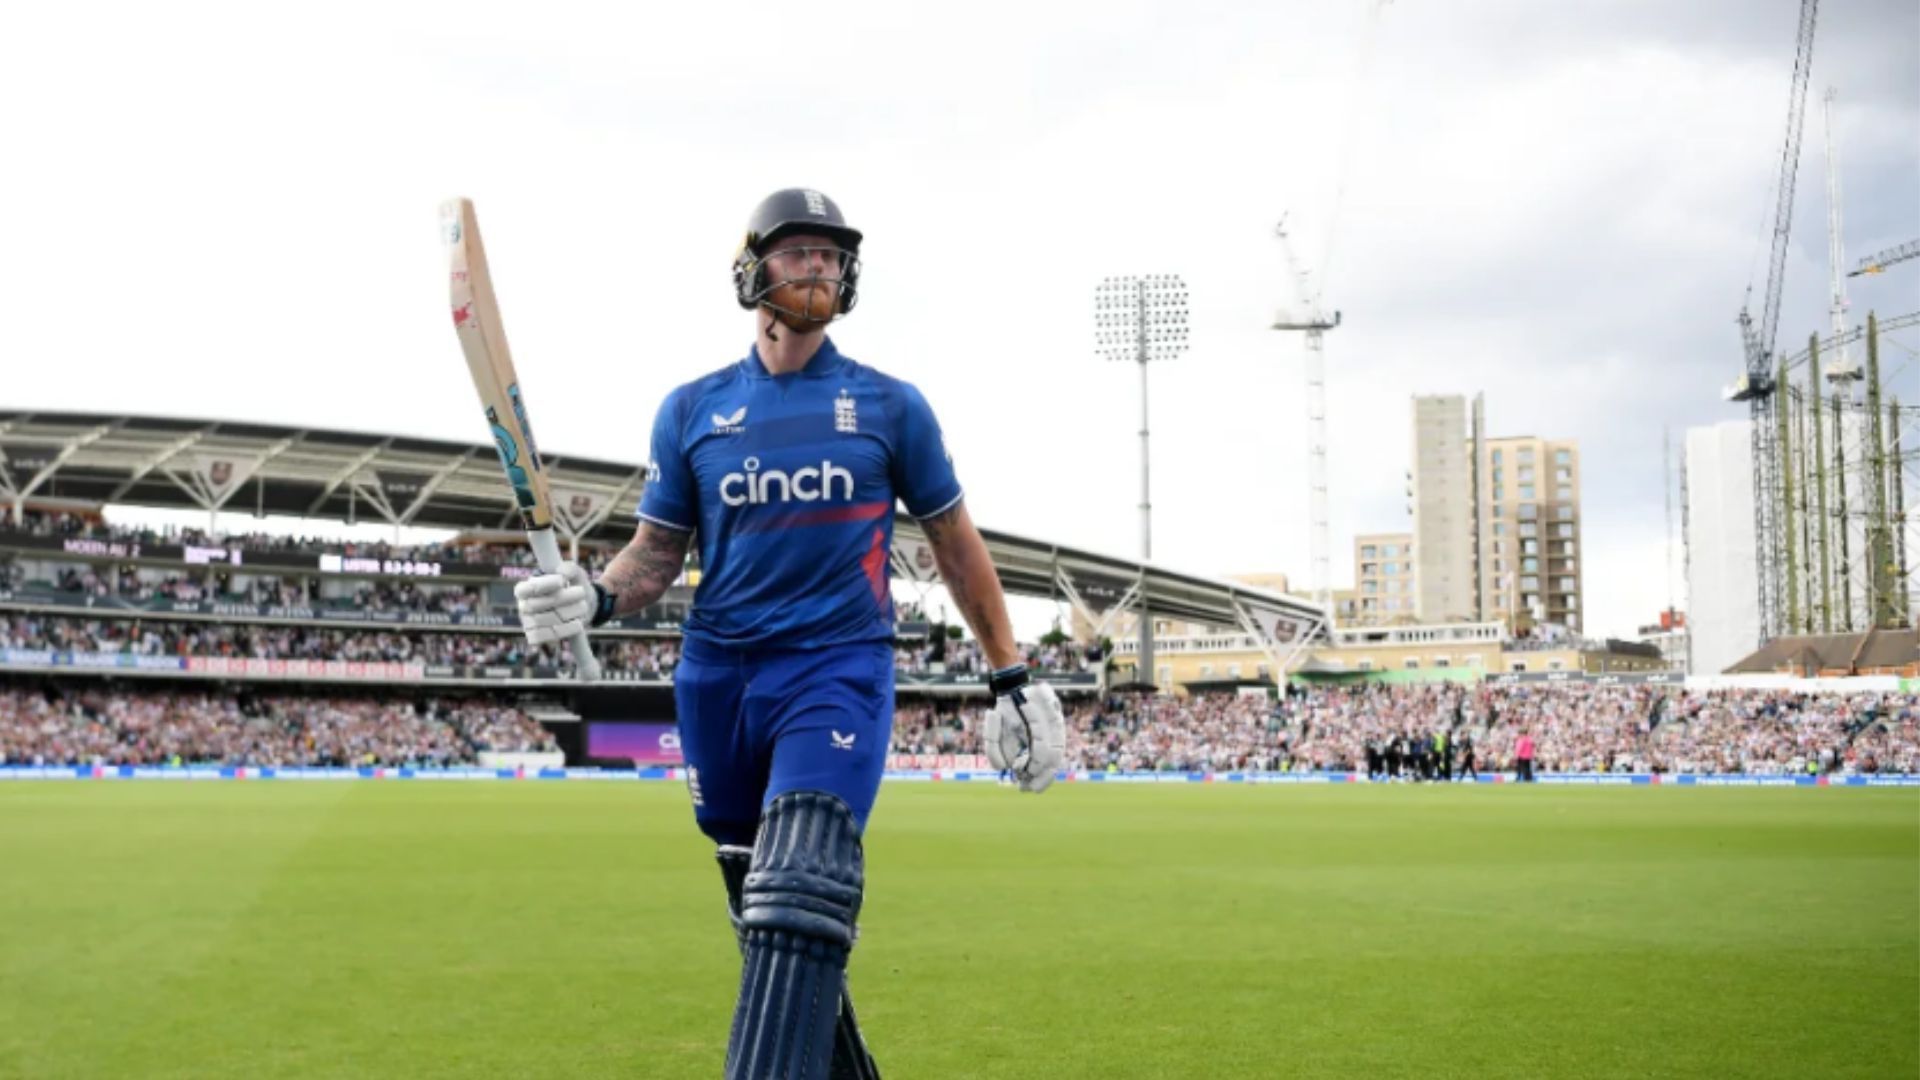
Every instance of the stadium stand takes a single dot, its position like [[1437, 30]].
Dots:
[[1379, 729], [1579, 727], [100, 725]]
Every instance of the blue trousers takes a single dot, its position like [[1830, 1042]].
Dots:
[[755, 725]]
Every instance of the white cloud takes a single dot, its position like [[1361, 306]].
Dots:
[[229, 212]]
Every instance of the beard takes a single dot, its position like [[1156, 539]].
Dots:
[[806, 303]]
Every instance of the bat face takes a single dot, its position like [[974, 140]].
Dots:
[[483, 338]]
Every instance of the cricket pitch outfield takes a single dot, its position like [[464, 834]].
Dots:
[[541, 929]]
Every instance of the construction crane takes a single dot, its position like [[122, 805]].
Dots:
[[1843, 369], [1878, 262], [1756, 384], [1305, 314]]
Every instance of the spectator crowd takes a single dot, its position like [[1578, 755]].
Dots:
[[638, 657], [100, 726], [68, 525], [1438, 732], [1390, 732]]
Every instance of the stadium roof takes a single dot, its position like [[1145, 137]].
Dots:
[[92, 460], [1871, 652]]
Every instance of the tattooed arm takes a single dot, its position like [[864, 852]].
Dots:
[[650, 562], [968, 572]]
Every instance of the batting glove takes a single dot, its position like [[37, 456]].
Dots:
[[558, 607], [1026, 732]]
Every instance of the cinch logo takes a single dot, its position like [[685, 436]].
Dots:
[[755, 488]]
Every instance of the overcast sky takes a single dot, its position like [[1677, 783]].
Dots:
[[231, 213]]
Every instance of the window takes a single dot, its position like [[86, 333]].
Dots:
[[1369, 587], [1442, 661], [1529, 547], [1563, 457], [1390, 550], [1556, 665], [1564, 513], [1526, 492], [1499, 493], [1496, 512], [1366, 665], [1368, 551], [1563, 476], [1532, 600], [1530, 583], [1564, 532], [1368, 569], [1263, 671], [1526, 455], [1499, 547], [1412, 663], [1563, 492], [1499, 565], [1529, 511], [1206, 671], [1566, 548], [1390, 568], [1496, 476], [1567, 586], [1499, 529], [1496, 457], [1526, 475], [1369, 604], [1529, 566], [1516, 665], [1233, 670]]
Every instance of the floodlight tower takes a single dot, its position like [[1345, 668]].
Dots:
[[1139, 320], [1306, 315]]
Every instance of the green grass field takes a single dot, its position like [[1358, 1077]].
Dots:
[[578, 930]]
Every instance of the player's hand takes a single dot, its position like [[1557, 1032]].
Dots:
[[1026, 732], [556, 607]]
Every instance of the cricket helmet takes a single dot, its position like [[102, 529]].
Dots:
[[788, 212]]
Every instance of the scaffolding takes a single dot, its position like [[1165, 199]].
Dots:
[[1846, 461]]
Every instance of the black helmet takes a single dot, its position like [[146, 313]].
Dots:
[[783, 213]]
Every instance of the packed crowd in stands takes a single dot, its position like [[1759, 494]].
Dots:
[[623, 655], [1433, 732], [638, 657], [377, 596], [965, 658], [86, 726], [1392, 732], [63, 524]]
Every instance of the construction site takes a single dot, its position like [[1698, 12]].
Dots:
[[1799, 541]]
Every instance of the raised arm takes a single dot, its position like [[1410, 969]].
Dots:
[[968, 572], [640, 574]]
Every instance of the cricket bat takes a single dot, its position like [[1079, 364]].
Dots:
[[476, 319]]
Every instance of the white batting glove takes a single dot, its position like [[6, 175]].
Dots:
[[1026, 732], [557, 607]]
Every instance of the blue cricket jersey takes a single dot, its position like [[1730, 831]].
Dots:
[[790, 481]]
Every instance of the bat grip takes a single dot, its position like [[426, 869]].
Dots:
[[546, 550]]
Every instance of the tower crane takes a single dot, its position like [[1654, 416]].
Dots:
[[1878, 262], [1756, 384]]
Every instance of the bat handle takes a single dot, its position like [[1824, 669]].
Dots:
[[546, 550]]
